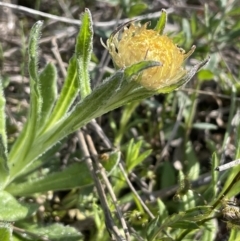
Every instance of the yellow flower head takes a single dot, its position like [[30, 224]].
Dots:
[[137, 43]]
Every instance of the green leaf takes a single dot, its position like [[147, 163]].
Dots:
[[132, 164], [17, 156], [2, 116], [197, 213], [4, 170], [67, 96], [162, 210], [135, 69], [47, 157], [161, 22], [193, 166], [48, 83], [188, 200], [133, 156], [83, 51], [76, 175], [205, 74], [33, 57], [234, 12], [35, 88], [179, 220], [53, 232], [168, 177], [235, 189], [234, 34], [125, 117], [136, 9], [151, 228], [5, 231], [210, 229], [184, 193], [211, 192], [194, 23], [154, 230], [234, 235], [11, 210], [184, 224], [185, 78]]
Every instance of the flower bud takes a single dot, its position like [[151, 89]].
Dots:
[[137, 43]]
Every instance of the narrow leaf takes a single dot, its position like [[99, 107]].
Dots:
[[161, 22], [168, 177], [48, 83], [133, 156], [76, 175], [4, 170], [212, 190], [184, 224], [136, 69], [197, 213], [12, 210], [188, 201], [33, 57], [2, 116], [53, 232], [83, 53], [186, 78], [67, 96], [141, 158], [162, 210], [125, 117], [193, 166], [25, 139]]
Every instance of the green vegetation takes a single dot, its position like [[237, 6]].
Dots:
[[88, 153]]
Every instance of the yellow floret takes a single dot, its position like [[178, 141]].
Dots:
[[137, 43]]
